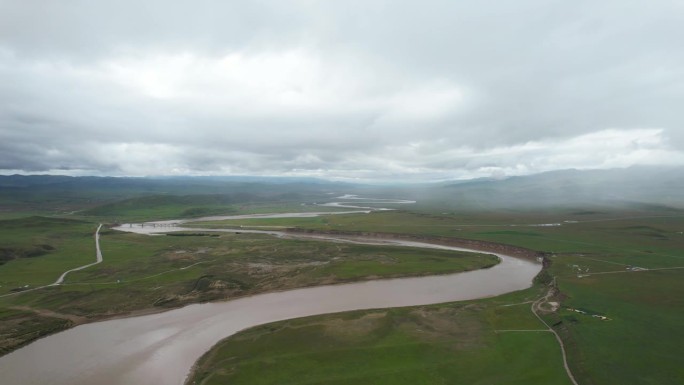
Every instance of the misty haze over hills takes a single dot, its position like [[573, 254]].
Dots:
[[630, 187], [574, 188]]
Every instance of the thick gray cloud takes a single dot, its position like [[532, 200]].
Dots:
[[376, 90]]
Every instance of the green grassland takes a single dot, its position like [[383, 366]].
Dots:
[[160, 207], [641, 343], [622, 264], [597, 259], [36, 250], [644, 239], [150, 273], [102, 198], [456, 343]]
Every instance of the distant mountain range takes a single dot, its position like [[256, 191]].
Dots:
[[18, 180], [616, 187], [71, 193], [636, 186]]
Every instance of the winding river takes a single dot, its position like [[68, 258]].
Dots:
[[161, 348]]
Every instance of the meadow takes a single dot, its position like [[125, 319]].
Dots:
[[495, 340], [143, 273], [626, 266], [622, 264]]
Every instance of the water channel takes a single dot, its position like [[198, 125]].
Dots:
[[161, 348]]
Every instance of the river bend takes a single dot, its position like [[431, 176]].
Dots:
[[161, 348]]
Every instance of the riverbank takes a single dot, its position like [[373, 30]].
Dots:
[[202, 269], [191, 327], [473, 244], [493, 340]]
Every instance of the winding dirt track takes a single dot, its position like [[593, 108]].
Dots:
[[535, 308], [98, 257], [60, 280]]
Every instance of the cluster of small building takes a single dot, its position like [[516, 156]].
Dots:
[[581, 270]]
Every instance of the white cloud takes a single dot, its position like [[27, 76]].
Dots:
[[430, 91]]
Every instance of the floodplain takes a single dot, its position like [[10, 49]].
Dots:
[[609, 286]]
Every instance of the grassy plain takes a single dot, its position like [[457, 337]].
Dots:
[[466, 343], [150, 273], [36, 250], [150, 208], [624, 265]]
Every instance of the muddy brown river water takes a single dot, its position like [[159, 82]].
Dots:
[[161, 348]]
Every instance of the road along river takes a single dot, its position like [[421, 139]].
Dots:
[[161, 348]]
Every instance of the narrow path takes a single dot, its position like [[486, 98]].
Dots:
[[522, 330], [98, 256], [640, 270], [534, 308], [516, 304], [60, 280], [137, 279], [604, 261]]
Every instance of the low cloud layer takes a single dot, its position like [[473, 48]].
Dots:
[[371, 90]]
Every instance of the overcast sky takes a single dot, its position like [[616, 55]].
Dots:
[[369, 90]]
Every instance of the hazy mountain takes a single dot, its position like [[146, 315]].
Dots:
[[616, 187], [630, 187], [70, 193]]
